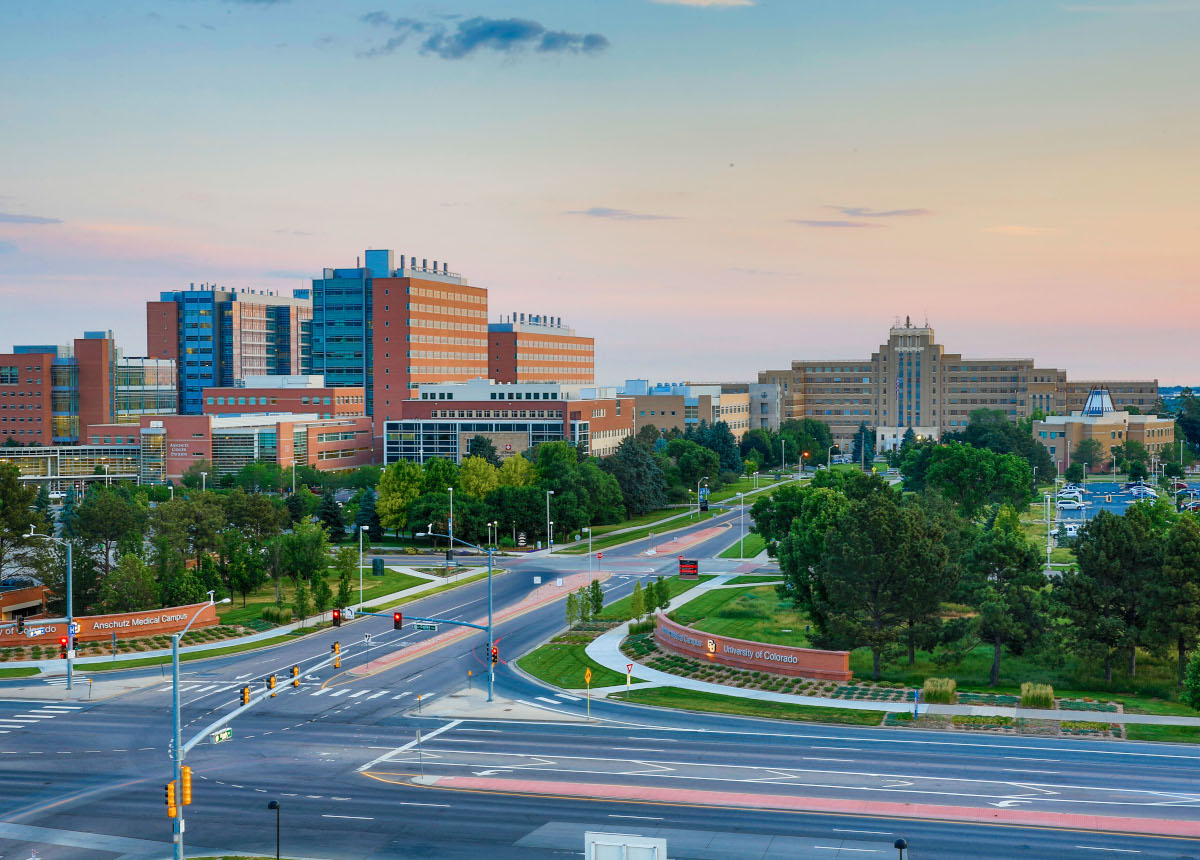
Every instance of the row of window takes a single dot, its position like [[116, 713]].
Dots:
[[448, 310], [493, 413], [449, 295], [467, 356], [541, 356], [554, 345]]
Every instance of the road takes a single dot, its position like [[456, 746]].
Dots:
[[340, 754]]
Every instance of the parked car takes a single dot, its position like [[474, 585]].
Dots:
[[1071, 505], [1071, 494], [1192, 506], [1070, 530], [1180, 485], [1078, 487]]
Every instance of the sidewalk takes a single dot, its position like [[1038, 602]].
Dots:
[[605, 650]]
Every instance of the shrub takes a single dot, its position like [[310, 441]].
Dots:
[[938, 691], [1037, 696], [277, 614], [637, 627]]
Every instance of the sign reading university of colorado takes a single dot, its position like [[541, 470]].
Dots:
[[759, 656], [125, 625]]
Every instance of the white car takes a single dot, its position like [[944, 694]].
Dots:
[[1078, 497], [1071, 505], [1073, 488], [1070, 530], [1144, 494]]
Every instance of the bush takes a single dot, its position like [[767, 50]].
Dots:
[[728, 478], [637, 627], [277, 614], [938, 691], [506, 542], [1037, 696]]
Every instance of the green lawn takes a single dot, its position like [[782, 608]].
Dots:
[[754, 544], [619, 610], [563, 664], [606, 541], [184, 656], [18, 672], [756, 614], [755, 578], [373, 587], [674, 697], [744, 485], [422, 595], [1165, 734]]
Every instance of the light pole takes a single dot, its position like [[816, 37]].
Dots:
[[176, 715], [900, 845], [589, 534], [171, 487], [829, 457], [491, 665], [70, 614], [361, 529], [203, 481], [274, 804], [698, 483], [549, 539], [1047, 531], [450, 529], [782, 460], [742, 526]]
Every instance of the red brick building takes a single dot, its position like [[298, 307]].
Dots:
[[533, 348], [275, 394]]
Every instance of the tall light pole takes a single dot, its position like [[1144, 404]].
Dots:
[[1047, 531], [742, 526], [203, 481], [549, 540], [361, 529], [803, 455], [70, 614], [782, 460], [829, 457], [274, 804], [698, 483], [176, 715], [171, 487], [589, 534], [450, 529]]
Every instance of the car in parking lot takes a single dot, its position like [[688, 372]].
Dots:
[[1078, 497], [1143, 493], [1179, 485], [1192, 506], [1078, 487], [1071, 505]]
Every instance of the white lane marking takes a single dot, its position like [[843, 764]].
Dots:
[[1119, 850], [1019, 770], [66, 707], [568, 697], [338, 693], [247, 675], [835, 848], [321, 692], [376, 696], [54, 709], [359, 693], [402, 695], [209, 687], [635, 749], [869, 832], [489, 731], [840, 749], [1027, 758], [639, 817], [166, 689], [409, 746], [410, 803], [354, 817], [814, 758], [21, 720], [544, 699]]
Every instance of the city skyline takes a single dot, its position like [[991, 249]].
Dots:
[[690, 183]]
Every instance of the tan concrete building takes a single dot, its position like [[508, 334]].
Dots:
[[677, 407], [1099, 420], [911, 381]]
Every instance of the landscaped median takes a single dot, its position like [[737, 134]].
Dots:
[[696, 700]]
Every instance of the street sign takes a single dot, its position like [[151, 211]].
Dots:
[[425, 625], [628, 668], [225, 734], [520, 538], [689, 568], [347, 614], [599, 556], [587, 675], [34, 631], [74, 628]]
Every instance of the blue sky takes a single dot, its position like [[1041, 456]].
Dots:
[[709, 190]]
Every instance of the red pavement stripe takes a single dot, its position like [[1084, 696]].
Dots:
[[1023, 817]]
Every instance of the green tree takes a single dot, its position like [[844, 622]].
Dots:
[[572, 608], [43, 507], [1005, 584], [662, 593], [344, 589], [301, 601], [477, 477], [639, 477], [1074, 472], [1138, 471], [803, 547], [647, 436], [181, 587], [863, 450], [103, 519], [199, 473], [401, 484], [516, 472], [130, 586], [637, 602], [1176, 616], [245, 566], [583, 605], [440, 474], [972, 477], [1132, 453], [345, 565], [596, 597], [331, 517], [16, 520], [1190, 695], [368, 514], [483, 447], [254, 514], [322, 595], [302, 504], [1089, 453], [606, 505], [305, 552]]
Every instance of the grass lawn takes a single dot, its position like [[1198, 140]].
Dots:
[[1165, 734], [744, 485], [373, 587], [563, 664], [657, 527], [422, 595], [184, 656], [674, 697], [754, 544], [756, 614], [619, 610], [755, 578], [18, 672]]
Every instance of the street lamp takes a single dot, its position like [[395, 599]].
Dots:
[[70, 614], [550, 535], [899, 844], [176, 718], [274, 804], [589, 534], [491, 665], [742, 526], [361, 529], [549, 539], [829, 456], [698, 483], [450, 529], [203, 481], [171, 487], [803, 456]]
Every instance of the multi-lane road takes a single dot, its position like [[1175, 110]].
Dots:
[[341, 755]]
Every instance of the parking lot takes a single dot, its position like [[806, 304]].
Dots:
[[1108, 496]]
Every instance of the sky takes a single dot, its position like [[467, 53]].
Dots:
[[709, 188]]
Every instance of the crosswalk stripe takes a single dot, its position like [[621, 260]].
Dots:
[[568, 697], [67, 707], [339, 693], [377, 695], [402, 695], [321, 692], [359, 693], [240, 677], [209, 687], [544, 699]]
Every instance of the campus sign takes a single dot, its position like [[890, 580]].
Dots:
[[758, 656], [124, 625]]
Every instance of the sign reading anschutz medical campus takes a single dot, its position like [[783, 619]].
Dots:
[[124, 625]]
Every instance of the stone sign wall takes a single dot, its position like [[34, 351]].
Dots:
[[126, 625]]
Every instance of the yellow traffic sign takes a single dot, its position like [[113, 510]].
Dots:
[[587, 675]]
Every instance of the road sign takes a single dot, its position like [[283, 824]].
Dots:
[[587, 675], [425, 625], [347, 614], [225, 734], [599, 556], [689, 568], [34, 631], [520, 538], [628, 668], [74, 628]]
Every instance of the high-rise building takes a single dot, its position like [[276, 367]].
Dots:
[[388, 329], [47, 393], [218, 336], [536, 348], [913, 382]]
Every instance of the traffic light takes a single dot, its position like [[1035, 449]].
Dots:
[[495, 655], [245, 695], [336, 648], [20, 624], [295, 676], [186, 773], [172, 810], [271, 685], [397, 620], [337, 618], [62, 647]]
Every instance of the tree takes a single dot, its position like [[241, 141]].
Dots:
[[477, 476], [368, 514], [322, 595], [596, 597], [254, 514], [639, 477], [572, 608], [434, 508], [1130, 454], [647, 435], [803, 546], [721, 442], [483, 447], [637, 602], [345, 565], [1005, 584], [971, 477], [583, 605], [130, 586], [1190, 694], [16, 520], [1138, 471], [516, 472], [105, 517], [181, 587], [863, 449], [245, 568], [43, 507], [1074, 472], [192, 477], [1177, 595], [440, 474], [606, 504], [662, 593], [331, 516], [301, 601], [304, 552], [401, 484], [1089, 453], [344, 589]]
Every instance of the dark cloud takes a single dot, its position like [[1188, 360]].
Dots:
[[866, 212], [473, 35], [12, 218], [620, 214], [808, 222]]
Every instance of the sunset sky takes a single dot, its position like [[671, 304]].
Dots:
[[708, 188]]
